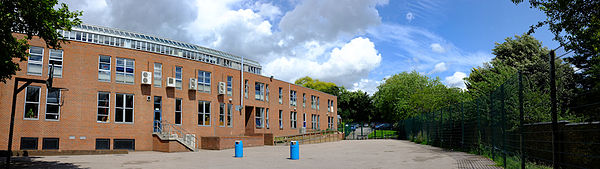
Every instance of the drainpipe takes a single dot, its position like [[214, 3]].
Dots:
[[242, 86]]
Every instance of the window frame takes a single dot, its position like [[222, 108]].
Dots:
[[222, 115], [53, 104], [266, 118], [280, 119], [229, 115], [229, 85], [293, 98], [280, 95], [157, 77], [98, 107], [178, 77], [204, 113], [40, 62], [124, 72], [180, 111], [259, 91], [103, 70], [50, 59], [125, 108], [259, 117], [293, 120], [202, 84], [37, 115]]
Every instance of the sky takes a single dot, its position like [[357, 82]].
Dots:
[[353, 43]]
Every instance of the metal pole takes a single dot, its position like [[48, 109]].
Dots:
[[492, 124], [553, 110], [478, 127], [12, 124], [462, 120], [503, 124], [521, 119], [441, 126]]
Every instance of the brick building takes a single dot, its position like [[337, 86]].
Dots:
[[124, 90]]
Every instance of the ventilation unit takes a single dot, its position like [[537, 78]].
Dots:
[[146, 77], [193, 84], [170, 82], [221, 87]]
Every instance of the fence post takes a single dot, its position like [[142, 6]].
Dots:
[[462, 120], [553, 110], [451, 126], [491, 122], [503, 111], [441, 128], [478, 128], [521, 119]]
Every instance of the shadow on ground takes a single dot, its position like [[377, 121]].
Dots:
[[31, 162]]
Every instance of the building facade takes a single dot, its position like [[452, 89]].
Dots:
[[115, 87]]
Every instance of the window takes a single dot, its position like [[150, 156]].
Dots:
[[178, 111], [29, 143], [204, 81], [328, 105], [304, 120], [104, 68], [127, 144], [103, 106], [50, 143], [178, 77], [280, 95], [303, 99], [32, 102], [259, 117], [53, 104], [222, 114], [229, 85], [157, 74], [102, 144], [280, 119], [246, 88], [317, 103], [292, 98], [125, 71], [267, 118], [34, 63], [124, 108], [203, 113], [229, 115], [56, 58], [314, 121], [293, 119], [267, 93], [313, 100], [259, 91]]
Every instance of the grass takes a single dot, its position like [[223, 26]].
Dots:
[[381, 133], [511, 161]]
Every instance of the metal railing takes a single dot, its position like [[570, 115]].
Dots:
[[171, 131], [309, 138]]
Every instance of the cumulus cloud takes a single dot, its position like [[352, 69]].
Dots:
[[345, 66], [440, 67], [456, 80], [366, 85], [436, 47]]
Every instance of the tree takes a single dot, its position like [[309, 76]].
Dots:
[[576, 25], [33, 18], [356, 106], [409, 94], [327, 87]]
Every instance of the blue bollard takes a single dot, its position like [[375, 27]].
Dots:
[[239, 149], [294, 150]]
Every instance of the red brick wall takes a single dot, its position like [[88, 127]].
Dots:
[[78, 114]]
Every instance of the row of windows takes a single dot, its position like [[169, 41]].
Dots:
[[31, 143], [154, 47], [35, 61]]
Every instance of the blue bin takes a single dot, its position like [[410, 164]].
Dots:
[[239, 149], [294, 150]]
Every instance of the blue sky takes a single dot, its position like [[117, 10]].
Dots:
[[354, 43]]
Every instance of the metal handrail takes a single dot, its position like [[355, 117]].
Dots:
[[168, 129]]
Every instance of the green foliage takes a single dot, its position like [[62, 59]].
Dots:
[[408, 94], [576, 25], [327, 87], [32, 18]]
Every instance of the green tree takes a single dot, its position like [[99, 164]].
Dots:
[[355, 106], [576, 25], [33, 18]]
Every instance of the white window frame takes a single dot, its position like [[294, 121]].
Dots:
[[53, 104], [98, 106], [103, 70], [293, 98], [280, 95], [124, 95], [222, 115], [229, 115], [28, 102], [293, 119], [55, 59], [267, 92], [178, 77], [124, 73], [204, 86], [229, 85], [180, 112], [267, 118], [259, 91], [280, 119], [246, 88], [203, 113], [259, 117], [157, 75], [35, 62], [303, 99]]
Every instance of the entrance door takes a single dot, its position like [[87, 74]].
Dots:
[[157, 113]]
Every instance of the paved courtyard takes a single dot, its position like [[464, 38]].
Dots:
[[342, 154]]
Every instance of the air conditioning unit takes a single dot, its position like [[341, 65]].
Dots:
[[222, 88], [193, 84], [170, 82], [146, 77]]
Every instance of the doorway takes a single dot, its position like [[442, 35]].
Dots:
[[157, 114]]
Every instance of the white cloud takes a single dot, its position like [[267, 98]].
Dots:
[[345, 65], [440, 67], [436, 47], [366, 85], [410, 16], [456, 80]]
